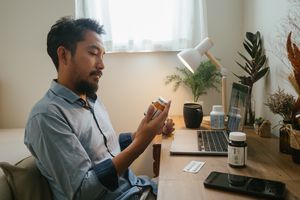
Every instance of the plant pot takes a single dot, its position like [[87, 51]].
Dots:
[[284, 138], [192, 114], [295, 146], [295, 155]]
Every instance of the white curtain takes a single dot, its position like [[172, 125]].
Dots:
[[147, 25]]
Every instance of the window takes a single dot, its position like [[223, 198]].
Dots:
[[147, 25]]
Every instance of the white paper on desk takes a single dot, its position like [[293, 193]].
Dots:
[[193, 166]]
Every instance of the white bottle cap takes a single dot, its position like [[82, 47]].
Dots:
[[218, 108], [162, 101], [237, 136]]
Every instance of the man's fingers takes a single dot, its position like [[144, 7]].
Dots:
[[150, 113], [165, 112]]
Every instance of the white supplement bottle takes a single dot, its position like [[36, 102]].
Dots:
[[217, 117]]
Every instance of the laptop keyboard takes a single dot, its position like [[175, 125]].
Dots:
[[212, 140]]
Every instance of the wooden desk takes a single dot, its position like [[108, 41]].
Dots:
[[264, 161]]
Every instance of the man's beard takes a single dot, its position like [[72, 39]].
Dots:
[[85, 87]]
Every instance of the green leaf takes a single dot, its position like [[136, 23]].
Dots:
[[251, 37], [261, 62], [248, 48], [206, 76], [245, 58], [244, 68], [259, 52], [253, 66], [249, 68], [258, 35], [250, 45], [260, 74]]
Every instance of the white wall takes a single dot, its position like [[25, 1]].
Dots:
[[267, 16], [131, 80], [26, 69]]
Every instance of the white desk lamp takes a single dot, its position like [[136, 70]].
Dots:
[[191, 58]]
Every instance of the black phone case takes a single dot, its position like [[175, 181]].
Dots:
[[246, 185]]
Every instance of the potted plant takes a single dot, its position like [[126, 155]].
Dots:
[[206, 76], [283, 104], [254, 67]]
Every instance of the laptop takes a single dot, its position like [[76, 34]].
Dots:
[[214, 142]]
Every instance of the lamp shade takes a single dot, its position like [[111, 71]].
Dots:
[[190, 58], [204, 46]]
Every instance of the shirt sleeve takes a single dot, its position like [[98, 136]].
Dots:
[[107, 174], [67, 166], [125, 140]]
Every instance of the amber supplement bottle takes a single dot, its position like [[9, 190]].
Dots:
[[159, 106]]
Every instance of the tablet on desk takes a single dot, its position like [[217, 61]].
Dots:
[[247, 185]]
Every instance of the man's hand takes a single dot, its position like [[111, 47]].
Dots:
[[148, 127], [145, 133]]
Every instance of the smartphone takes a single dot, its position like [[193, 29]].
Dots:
[[246, 185]]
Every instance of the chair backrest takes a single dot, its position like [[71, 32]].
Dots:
[[25, 180]]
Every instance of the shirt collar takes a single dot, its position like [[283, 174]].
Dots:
[[66, 93]]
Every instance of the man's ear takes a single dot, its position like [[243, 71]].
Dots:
[[63, 55]]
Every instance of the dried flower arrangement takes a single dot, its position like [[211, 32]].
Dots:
[[282, 104], [293, 53]]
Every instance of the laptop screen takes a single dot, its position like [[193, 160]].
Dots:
[[237, 106]]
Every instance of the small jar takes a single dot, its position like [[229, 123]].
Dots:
[[234, 119], [237, 149], [217, 117], [159, 106]]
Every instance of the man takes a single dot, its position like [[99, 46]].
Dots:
[[69, 131]]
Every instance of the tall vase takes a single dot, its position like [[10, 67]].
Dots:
[[284, 138], [250, 113]]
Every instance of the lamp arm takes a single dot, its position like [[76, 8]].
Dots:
[[224, 93], [224, 78], [213, 60]]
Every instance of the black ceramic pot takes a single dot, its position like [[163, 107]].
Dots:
[[192, 114]]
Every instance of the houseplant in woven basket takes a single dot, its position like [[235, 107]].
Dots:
[[206, 76]]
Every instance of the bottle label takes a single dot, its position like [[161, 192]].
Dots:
[[217, 121], [156, 113], [237, 156]]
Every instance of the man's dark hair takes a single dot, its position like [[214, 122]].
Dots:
[[67, 32]]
